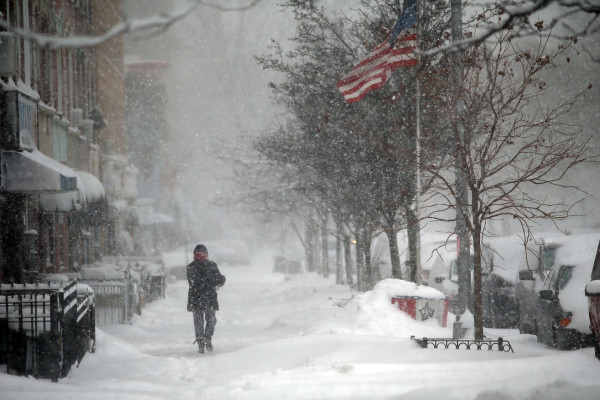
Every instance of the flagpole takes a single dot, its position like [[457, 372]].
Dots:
[[419, 277]]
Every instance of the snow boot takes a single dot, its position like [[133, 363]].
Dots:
[[200, 345], [208, 345]]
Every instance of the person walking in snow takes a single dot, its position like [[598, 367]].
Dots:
[[204, 279]]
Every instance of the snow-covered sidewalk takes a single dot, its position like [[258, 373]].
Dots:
[[279, 338]]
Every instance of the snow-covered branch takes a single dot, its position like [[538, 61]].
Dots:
[[220, 7], [510, 15], [159, 22], [149, 25]]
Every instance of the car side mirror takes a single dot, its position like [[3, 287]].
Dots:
[[526, 275], [439, 279], [546, 295]]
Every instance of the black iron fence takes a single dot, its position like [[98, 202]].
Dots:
[[114, 301], [499, 344], [45, 328], [125, 293]]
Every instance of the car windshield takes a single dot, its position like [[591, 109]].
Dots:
[[564, 277]]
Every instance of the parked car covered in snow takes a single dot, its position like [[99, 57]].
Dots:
[[561, 317], [499, 277], [444, 274], [535, 266], [287, 265], [592, 290]]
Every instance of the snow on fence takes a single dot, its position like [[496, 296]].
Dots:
[[153, 278], [114, 301], [149, 275], [123, 286], [45, 328]]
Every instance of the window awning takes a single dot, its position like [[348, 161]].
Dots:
[[33, 171], [89, 196], [90, 187]]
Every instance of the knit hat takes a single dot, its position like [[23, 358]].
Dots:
[[201, 249]]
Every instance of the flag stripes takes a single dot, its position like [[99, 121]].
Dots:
[[373, 71]]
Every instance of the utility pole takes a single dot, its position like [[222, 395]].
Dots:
[[462, 198], [417, 264], [412, 210]]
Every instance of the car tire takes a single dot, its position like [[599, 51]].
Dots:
[[523, 329], [566, 339], [555, 343], [597, 350], [519, 321], [536, 331]]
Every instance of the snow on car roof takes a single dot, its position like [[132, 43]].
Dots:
[[502, 256]]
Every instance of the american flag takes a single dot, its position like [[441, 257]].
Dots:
[[374, 70]]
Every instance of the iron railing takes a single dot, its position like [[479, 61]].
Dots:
[[467, 344], [114, 300], [45, 328]]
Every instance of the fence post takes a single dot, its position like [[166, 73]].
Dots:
[[54, 345], [92, 329], [128, 296]]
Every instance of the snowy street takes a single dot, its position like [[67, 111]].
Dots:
[[279, 338]]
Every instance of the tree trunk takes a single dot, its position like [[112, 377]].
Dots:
[[308, 256], [477, 285], [360, 262], [309, 247], [324, 249], [339, 268], [413, 245], [368, 276], [392, 236], [316, 246], [348, 261]]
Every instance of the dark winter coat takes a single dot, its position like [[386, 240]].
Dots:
[[204, 279]]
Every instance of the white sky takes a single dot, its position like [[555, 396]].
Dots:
[[219, 94]]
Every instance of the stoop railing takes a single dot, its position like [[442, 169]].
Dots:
[[45, 328], [114, 300]]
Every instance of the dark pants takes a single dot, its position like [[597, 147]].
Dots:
[[204, 333]]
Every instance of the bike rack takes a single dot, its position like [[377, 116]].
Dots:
[[447, 343]]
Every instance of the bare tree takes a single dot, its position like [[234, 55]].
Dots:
[[516, 140]]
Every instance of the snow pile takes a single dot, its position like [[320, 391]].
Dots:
[[104, 272], [400, 288], [372, 312], [55, 277], [84, 289], [150, 268], [502, 256]]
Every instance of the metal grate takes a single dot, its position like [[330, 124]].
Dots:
[[467, 344]]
